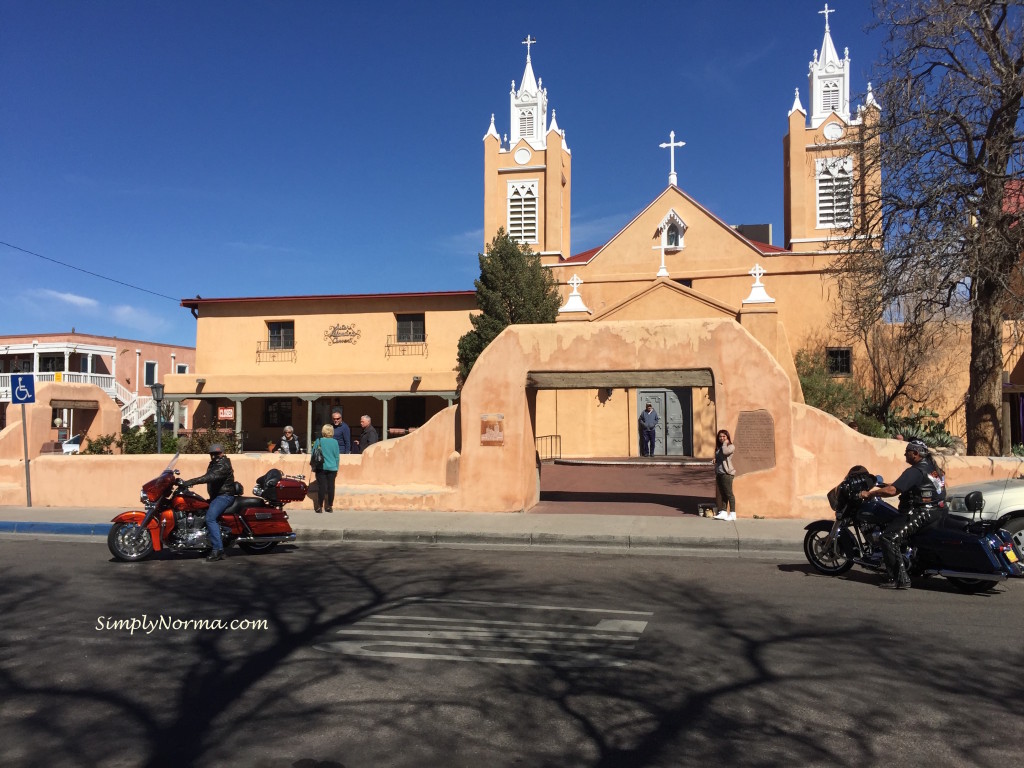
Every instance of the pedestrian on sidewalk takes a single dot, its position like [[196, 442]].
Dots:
[[648, 423], [328, 473], [724, 474]]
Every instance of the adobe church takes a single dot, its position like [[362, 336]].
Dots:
[[677, 260]]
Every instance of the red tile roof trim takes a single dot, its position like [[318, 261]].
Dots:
[[325, 297]]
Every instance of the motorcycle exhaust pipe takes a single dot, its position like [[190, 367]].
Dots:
[[968, 575], [267, 539]]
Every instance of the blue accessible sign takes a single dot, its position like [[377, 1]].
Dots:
[[23, 388]]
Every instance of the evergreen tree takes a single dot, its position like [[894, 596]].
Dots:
[[513, 289]]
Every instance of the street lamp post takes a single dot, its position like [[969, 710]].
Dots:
[[158, 396]]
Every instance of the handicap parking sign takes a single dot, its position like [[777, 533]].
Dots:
[[23, 388]]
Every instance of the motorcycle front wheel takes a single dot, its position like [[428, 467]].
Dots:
[[128, 542], [826, 558]]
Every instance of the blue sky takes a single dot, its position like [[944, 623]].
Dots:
[[249, 147]]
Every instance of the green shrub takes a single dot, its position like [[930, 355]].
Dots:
[[101, 445], [199, 441], [841, 397]]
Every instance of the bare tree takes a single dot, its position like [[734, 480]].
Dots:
[[942, 185]]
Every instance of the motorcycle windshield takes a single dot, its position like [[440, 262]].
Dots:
[[174, 460]]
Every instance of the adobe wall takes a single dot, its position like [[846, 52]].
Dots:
[[106, 418], [447, 465]]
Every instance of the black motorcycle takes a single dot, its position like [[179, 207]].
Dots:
[[973, 554]]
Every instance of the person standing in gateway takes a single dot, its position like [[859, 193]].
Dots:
[[648, 423], [724, 475]]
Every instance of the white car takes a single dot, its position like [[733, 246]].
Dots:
[[1004, 501]]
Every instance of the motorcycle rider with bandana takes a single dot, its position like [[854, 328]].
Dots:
[[220, 487], [921, 502]]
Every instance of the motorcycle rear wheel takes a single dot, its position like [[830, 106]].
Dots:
[[126, 541], [825, 559], [972, 586], [257, 548]]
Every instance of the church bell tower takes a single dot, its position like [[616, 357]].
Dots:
[[528, 174], [824, 153]]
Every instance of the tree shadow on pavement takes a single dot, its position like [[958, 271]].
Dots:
[[713, 679]]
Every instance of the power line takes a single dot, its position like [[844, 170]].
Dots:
[[86, 271]]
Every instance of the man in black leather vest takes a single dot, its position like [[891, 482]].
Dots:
[[921, 503]]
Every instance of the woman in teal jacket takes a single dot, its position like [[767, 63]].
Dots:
[[326, 476]]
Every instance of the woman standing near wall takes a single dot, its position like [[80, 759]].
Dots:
[[724, 474], [326, 476]]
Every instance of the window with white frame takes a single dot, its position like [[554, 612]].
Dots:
[[522, 211], [834, 179], [181, 368], [150, 376], [830, 96]]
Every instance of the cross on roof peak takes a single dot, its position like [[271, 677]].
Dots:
[[532, 41], [671, 145], [827, 11]]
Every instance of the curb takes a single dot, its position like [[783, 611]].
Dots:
[[677, 544], [80, 529]]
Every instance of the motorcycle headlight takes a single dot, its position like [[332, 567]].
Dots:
[[143, 497]]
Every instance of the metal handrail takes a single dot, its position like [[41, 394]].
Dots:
[[549, 447]]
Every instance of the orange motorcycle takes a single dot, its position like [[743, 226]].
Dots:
[[175, 517]]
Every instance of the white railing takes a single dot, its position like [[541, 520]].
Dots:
[[138, 410], [104, 381], [122, 394]]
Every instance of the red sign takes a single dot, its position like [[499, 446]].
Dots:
[[226, 413]]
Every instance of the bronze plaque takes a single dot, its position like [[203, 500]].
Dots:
[[492, 429], [755, 442]]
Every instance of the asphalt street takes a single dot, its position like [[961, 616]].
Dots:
[[377, 655]]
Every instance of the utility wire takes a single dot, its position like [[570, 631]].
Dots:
[[86, 271]]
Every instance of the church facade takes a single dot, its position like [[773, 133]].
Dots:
[[266, 361]]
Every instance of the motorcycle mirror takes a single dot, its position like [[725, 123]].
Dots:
[[974, 501], [879, 480]]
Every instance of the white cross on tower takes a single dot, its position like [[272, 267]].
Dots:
[[530, 41], [575, 282], [671, 147], [826, 12]]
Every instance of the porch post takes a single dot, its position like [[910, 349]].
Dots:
[[238, 422]]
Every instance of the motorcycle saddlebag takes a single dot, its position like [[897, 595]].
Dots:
[[267, 521]]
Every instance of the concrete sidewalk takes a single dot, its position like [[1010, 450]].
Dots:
[[745, 537]]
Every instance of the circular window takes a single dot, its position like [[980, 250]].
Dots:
[[833, 131], [523, 156]]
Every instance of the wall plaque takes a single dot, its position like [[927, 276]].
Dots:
[[755, 442], [492, 429]]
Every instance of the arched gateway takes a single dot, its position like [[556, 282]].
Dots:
[[752, 393]]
